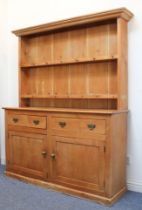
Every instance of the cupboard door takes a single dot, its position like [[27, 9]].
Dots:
[[26, 154], [78, 163]]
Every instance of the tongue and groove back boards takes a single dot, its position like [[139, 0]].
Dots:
[[75, 63]]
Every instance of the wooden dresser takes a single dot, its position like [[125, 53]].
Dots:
[[70, 129]]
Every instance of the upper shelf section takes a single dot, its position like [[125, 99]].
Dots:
[[78, 21], [88, 44]]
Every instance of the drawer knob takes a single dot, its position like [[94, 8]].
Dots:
[[91, 126], [44, 153], [62, 124], [53, 156], [36, 122], [15, 120]]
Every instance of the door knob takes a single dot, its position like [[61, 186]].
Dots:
[[44, 153], [53, 156]]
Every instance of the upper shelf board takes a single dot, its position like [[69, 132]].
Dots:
[[77, 21]]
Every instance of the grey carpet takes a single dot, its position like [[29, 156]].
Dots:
[[16, 195]]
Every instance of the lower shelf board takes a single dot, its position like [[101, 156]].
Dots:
[[69, 191]]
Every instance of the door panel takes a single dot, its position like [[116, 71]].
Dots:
[[27, 154], [78, 162]]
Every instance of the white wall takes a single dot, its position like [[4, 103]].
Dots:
[[27, 13], [3, 68]]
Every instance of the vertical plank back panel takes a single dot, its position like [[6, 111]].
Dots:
[[60, 47], [78, 43], [112, 39], [45, 47], [97, 41], [61, 81], [112, 78], [77, 80], [97, 72], [32, 51]]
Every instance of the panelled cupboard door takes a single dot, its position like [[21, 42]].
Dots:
[[78, 163], [26, 154]]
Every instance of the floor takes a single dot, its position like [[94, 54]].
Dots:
[[17, 195]]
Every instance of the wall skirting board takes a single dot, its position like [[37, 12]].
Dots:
[[134, 186], [2, 161]]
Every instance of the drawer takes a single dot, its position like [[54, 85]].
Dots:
[[59, 123], [27, 121], [85, 127], [92, 126]]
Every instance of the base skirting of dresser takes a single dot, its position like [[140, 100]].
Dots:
[[67, 190]]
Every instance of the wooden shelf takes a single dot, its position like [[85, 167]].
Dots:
[[96, 96], [66, 110], [73, 61]]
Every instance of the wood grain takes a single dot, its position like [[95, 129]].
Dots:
[[70, 130]]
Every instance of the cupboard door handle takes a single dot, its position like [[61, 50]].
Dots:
[[62, 124], [44, 153], [53, 156], [36, 122], [91, 126], [15, 120]]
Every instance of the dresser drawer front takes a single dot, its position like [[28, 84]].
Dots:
[[64, 123], [78, 126], [91, 126], [27, 121]]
